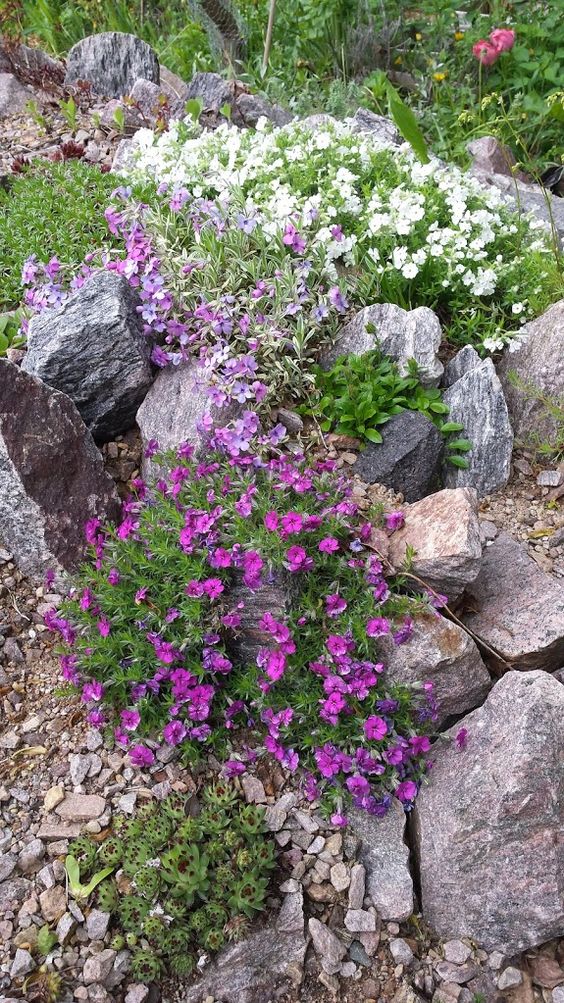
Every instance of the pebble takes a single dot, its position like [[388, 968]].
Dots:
[[97, 924], [274, 817], [496, 960], [558, 994], [340, 877], [53, 902], [31, 856], [401, 951], [127, 802], [358, 953], [253, 789], [327, 945], [456, 951], [81, 807], [306, 822], [22, 964], [53, 797], [98, 967], [359, 920], [347, 969], [510, 978], [65, 926], [291, 915], [7, 865], [136, 993], [357, 886]]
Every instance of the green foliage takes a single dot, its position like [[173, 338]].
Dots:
[[185, 900], [51, 210], [359, 394], [46, 940], [79, 891], [547, 407]]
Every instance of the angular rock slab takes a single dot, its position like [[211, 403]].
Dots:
[[443, 653], [111, 62], [408, 459], [13, 95], [256, 970], [52, 477], [463, 362], [174, 408], [517, 608], [489, 821], [476, 400], [540, 362], [93, 349], [385, 856], [444, 531], [401, 334]]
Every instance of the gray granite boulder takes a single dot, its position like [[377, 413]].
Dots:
[[517, 608], [93, 349], [251, 107], [13, 95], [401, 334], [477, 401], [463, 362], [52, 477], [174, 408], [111, 62], [539, 362], [256, 970], [380, 128], [492, 157], [489, 821], [30, 65], [441, 652], [214, 91], [385, 856], [408, 459], [150, 99], [444, 532]]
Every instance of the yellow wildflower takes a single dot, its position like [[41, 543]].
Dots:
[[418, 36], [458, 36], [440, 76]]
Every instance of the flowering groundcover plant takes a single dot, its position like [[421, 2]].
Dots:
[[392, 229], [152, 628]]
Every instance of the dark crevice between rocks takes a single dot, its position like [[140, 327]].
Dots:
[[410, 839]]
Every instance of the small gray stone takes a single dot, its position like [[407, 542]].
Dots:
[[93, 349], [317, 845], [274, 817], [456, 951], [213, 90], [253, 789], [360, 921], [53, 902], [8, 863], [347, 970], [65, 926], [357, 885], [558, 994], [550, 478], [510, 978], [98, 967], [78, 768], [81, 807], [380, 129], [327, 946], [401, 951], [457, 975], [358, 953], [251, 107], [306, 822], [408, 460], [340, 877], [13, 95], [291, 915], [111, 62], [22, 964], [13, 653], [31, 856], [97, 923], [386, 859], [136, 993], [476, 400], [127, 802]]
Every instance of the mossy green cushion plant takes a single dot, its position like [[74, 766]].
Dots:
[[52, 210], [192, 891]]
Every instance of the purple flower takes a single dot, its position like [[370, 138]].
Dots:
[[298, 559], [113, 576], [271, 521], [375, 728], [394, 520], [233, 768], [334, 605], [140, 755], [174, 732], [130, 719], [358, 786], [329, 545], [151, 448], [378, 626], [406, 791], [337, 299], [404, 633], [92, 691], [419, 744], [339, 820]]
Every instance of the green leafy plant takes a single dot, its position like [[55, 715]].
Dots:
[[46, 940], [185, 899], [80, 891], [548, 406], [118, 118], [69, 111], [32, 109], [194, 108], [10, 331]]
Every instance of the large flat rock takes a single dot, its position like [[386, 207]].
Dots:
[[111, 62], [52, 478], [490, 819], [517, 608]]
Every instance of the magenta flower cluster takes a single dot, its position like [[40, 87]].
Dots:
[[158, 629]]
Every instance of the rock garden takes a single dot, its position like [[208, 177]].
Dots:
[[281, 469]]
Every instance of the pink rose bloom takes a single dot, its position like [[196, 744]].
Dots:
[[503, 39], [485, 52]]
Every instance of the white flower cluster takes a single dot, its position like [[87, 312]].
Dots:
[[356, 199]]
